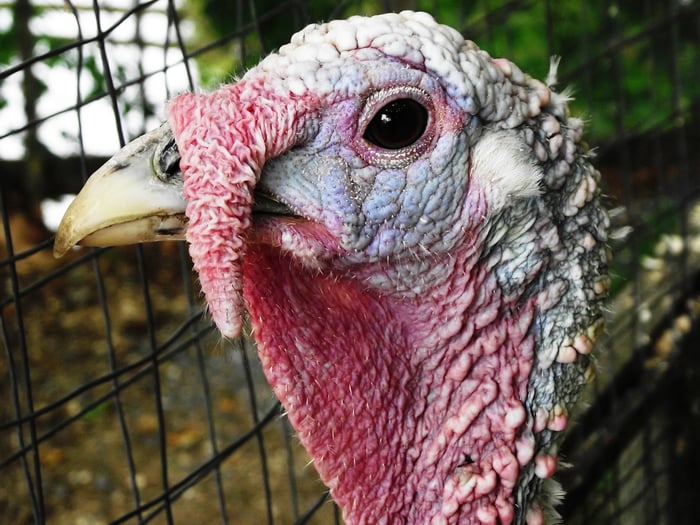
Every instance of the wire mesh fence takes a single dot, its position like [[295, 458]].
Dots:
[[118, 401]]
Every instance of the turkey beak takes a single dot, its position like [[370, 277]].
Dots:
[[136, 196]]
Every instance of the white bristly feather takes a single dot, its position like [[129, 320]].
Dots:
[[503, 165]]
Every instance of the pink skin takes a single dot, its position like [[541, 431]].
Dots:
[[450, 460], [393, 454], [224, 139], [411, 405], [413, 409]]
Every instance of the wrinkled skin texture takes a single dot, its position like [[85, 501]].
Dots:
[[426, 313], [417, 318]]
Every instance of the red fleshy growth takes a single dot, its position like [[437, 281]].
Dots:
[[224, 139], [406, 420]]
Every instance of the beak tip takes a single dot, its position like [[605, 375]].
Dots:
[[60, 246]]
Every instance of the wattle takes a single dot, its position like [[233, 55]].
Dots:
[[412, 406]]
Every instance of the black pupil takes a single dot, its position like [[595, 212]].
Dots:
[[169, 161], [398, 124]]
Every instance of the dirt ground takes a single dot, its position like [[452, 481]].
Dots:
[[85, 475]]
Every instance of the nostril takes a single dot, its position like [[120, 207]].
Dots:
[[169, 161]]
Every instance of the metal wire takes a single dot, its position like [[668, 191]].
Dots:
[[187, 421]]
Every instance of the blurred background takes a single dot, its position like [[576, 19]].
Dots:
[[118, 401]]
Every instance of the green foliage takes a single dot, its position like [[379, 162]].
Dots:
[[8, 45]]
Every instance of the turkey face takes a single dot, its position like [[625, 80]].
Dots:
[[378, 174], [383, 178], [369, 147], [399, 161]]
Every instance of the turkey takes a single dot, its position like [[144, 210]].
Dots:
[[413, 231]]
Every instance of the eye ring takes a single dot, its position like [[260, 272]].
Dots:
[[396, 125]]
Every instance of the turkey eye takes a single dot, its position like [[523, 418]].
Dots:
[[398, 124]]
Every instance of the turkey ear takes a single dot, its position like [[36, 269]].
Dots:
[[504, 168]]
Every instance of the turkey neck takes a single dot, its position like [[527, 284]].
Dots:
[[411, 409]]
